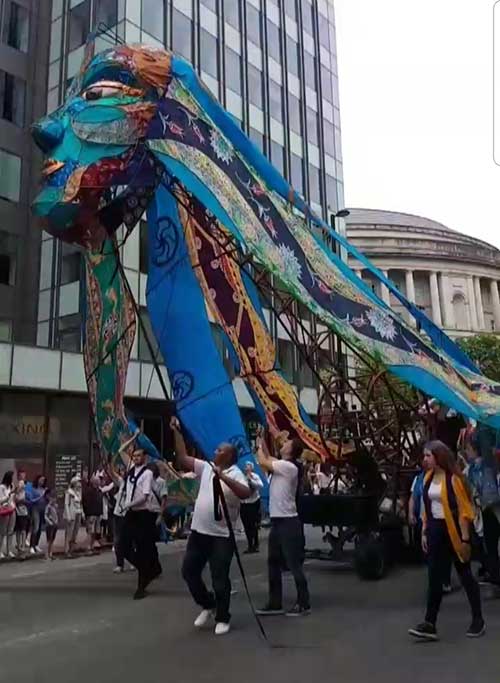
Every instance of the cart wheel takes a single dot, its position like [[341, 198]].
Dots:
[[369, 558]]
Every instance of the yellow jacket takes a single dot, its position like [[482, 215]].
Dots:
[[457, 506]]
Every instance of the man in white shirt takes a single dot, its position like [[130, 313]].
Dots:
[[250, 509], [209, 541], [139, 530], [286, 538]]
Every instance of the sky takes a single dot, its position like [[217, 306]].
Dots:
[[416, 106]]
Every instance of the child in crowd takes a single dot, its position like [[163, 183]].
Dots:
[[51, 522]]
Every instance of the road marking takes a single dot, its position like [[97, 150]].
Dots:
[[71, 630]]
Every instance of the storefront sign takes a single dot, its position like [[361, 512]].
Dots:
[[19, 430], [65, 466]]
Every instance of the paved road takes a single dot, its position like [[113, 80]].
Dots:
[[73, 621]]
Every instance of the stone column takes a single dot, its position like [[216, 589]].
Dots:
[[410, 286], [479, 303], [496, 303], [386, 296], [471, 296], [446, 305], [435, 303]]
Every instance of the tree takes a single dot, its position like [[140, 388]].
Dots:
[[484, 350]]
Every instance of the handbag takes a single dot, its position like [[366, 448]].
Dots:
[[6, 510]]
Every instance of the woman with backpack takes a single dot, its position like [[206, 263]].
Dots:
[[446, 532]]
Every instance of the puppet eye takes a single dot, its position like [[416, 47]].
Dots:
[[97, 92]]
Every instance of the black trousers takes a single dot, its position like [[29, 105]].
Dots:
[[217, 551], [138, 544], [118, 523], [250, 516], [491, 531], [286, 547], [440, 550]]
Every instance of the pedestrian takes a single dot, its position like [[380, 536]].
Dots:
[[72, 514], [447, 522], [51, 522], [37, 502], [139, 531], [7, 514], [158, 500], [443, 423], [22, 516], [250, 509], [286, 545], [92, 509], [482, 474], [118, 477], [209, 541]]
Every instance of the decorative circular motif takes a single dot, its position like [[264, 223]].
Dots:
[[165, 242], [182, 384]]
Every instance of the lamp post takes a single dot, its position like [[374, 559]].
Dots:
[[343, 213]]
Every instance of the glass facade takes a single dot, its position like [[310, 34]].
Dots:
[[273, 66]]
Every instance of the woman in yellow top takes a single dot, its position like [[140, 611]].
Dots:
[[447, 521]]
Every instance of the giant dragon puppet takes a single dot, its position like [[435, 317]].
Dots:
[[140, 132]]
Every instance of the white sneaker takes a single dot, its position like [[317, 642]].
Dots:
[[130, 567], [12, 556], [118, 570], [32, 551], [203, 618], [38, 549], [2, 556], [221, 628]]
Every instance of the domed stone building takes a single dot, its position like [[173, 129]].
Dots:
[[452, 277]]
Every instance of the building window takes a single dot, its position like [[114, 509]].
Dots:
[[291, 9], [182, 35], [253, 24], [324, 32], [12, 95], [144, 352], [286, 359], [208, 53], [310, 70], [255, 86], [71, 263], [79, 24], [106, 13], [211, 4], [308, 17], [17, 27], [312, 126], [326, 85], [10, 176], [153, 18], [276, 100], [5, 330], [70, 332], [306, 376], [273, 41], [143, 247], [220, 343], [297, 173], [329, 137], [257, 138], [314, 185], [294, 114], [233, 70], [8, 253], [292, 56], [277, 156], [232, 13]]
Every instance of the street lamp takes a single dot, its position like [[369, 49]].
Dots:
[[343, 213]]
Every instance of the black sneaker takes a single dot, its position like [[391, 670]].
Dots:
[[298, 611], [140, 594], [269, 611], [424, 631], [476, 629]]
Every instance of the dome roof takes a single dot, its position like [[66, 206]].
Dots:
[[395, 234]]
